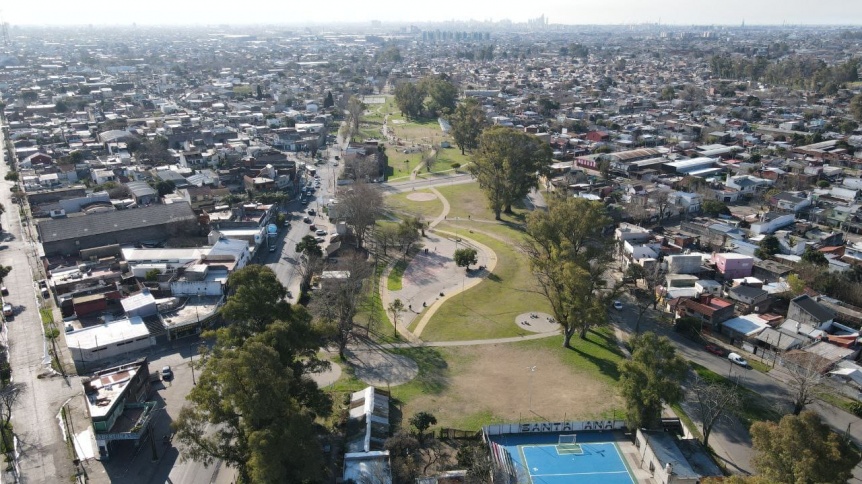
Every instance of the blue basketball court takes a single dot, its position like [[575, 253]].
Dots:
[[538, 459]]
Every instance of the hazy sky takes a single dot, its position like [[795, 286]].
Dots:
[[148, 12]]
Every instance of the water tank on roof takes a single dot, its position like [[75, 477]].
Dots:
[[271, 229]]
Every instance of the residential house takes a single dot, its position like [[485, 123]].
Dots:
[[791, 201], [749, 298], [733, 266], [710, 309], [807, 310]]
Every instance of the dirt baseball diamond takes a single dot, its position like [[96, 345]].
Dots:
[[492, 383], [421, 197]]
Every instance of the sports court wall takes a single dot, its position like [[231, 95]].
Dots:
[[548, 427]]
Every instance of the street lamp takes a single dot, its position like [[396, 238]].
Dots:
[[532, 370]]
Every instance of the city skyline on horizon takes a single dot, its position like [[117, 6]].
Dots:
[[558, 12]]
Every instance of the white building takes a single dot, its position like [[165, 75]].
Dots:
[[93, 345]]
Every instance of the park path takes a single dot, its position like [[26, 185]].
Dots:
[[433, 276]]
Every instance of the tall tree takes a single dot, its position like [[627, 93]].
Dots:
[[569, 256], [355, 108], [360, 205], [801, 449], [712, 401], [651, 379], [395, 308], [441, 95], [507, 165], [768, 247], [337, 301], [643, 283], [262, 402], [255, 300], [467, 121], [814, 256], [466, 257], [409, 98], [806, 378], [309, 247], [328, 102]]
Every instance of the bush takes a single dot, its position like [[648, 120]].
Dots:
[[455, 166], [855, 407]]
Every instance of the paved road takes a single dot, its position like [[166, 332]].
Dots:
[[285, 261], [42, 452], [731, 437]]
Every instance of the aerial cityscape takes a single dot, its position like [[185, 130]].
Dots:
[[470, 244]]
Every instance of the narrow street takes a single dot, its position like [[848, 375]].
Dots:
[[730, 437], [42, 454]]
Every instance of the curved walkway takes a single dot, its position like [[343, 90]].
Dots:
[[431, 274], [487, 257]]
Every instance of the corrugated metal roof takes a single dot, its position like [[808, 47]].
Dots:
[[109, 222]]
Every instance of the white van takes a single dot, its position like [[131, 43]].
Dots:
[[737, 359]]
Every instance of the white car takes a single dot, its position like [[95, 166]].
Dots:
[[320, 232], [735, 358], [618, 305]]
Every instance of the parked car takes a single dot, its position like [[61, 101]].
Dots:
[[167, 373], [716, 350], [618, 305], [311, 211], [7, 310], [312, 227], [319, 240], [4, 291], [320, 232], [306, 220], [735, 358]]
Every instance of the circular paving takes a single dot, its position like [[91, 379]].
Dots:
[[537, 322], [328, 377], [421, 197], [379, 368]]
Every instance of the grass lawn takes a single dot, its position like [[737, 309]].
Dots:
[[393, 282], [399, 203], [489, 309], [397, 166], [425, 131], [372, 314], [468, 199], [754, 408]]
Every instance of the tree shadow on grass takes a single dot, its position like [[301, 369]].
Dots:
[[433, 377], [606, 367], [606, 340]]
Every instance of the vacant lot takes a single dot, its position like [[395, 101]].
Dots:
[[492, 383]]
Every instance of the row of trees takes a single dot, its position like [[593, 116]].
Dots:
[[254, 387], [795, 72]]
